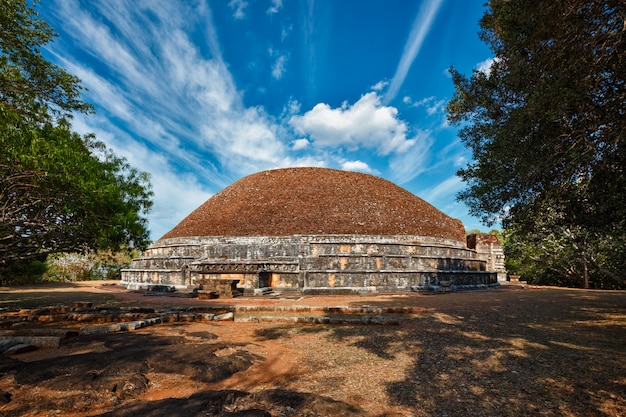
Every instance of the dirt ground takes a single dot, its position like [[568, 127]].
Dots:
[[511, 351]]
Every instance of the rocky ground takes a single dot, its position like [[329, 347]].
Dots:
[[501, 352]]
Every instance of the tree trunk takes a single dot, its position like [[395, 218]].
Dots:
[[585, 271]]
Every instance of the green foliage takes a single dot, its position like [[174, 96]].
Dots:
[[23, 272], [29, 84], [560, 258], [100, 265], [546, 126], [60, 192]]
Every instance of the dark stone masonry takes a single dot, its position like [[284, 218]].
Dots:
[[316, 230]]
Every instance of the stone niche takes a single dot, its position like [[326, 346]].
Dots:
[[313, 264]]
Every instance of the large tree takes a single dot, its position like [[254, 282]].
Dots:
[[62, 192], [547, 127], [59, 191], [30, 84]]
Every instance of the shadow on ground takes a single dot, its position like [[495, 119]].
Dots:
[[113, 372], [549, 352], [52, 293]]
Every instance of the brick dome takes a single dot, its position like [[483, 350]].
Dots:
[[316, 201]]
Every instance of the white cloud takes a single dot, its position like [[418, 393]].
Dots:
[[292, 107], [407, 165], [173, 105], [485, 66], [180, 98], [436, 107], [299, 144], [380, 85], [460, 161], [285, 31], [431, 104], [454, 154], [306, 161], [279, 67], [358, 166], [244, 140], [445, 190], [275, 7], [421, 27], [364, 124], [175, 194], [238, 7]]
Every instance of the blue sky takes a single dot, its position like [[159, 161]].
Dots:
[[201, 93]]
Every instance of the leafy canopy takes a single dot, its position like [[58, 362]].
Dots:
[[29, 84], [62, 192], [547, 126], [59, 192]]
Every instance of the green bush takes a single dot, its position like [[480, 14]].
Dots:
[[22, 272], [101, 265]]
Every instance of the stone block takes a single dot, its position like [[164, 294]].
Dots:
[[39, 341], [19, 348], [109, 328], [224, 317]]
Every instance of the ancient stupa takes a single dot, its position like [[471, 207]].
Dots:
[[313, 230]]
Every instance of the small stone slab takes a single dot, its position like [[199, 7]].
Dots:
[[61, 333], [7, 343], [207, 295], [224, 317], [162, 288], [39, 341], [19, 348], [109, 328], [262, 291]]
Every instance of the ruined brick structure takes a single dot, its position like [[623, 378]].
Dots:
[[313, 230], [490, 249]]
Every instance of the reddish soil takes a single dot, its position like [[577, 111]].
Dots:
[[505, 352]]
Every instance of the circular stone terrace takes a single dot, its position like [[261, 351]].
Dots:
[[312, 230]]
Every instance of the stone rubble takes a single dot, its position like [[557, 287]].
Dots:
[[21, 331]]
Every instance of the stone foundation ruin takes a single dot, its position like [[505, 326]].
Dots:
[[313, 230]]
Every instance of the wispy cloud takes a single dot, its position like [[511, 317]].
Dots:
[[421, 27], [314, 37], [407, 165], [445, 190], [275, 7], [238, 7], [430, 104], [173, 108], [278, 69], [380, 85], [170, 104]]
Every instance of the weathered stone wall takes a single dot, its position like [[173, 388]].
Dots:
[[490, 249], [296, 263]]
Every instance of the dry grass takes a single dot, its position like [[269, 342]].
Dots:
[[546, 352]]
